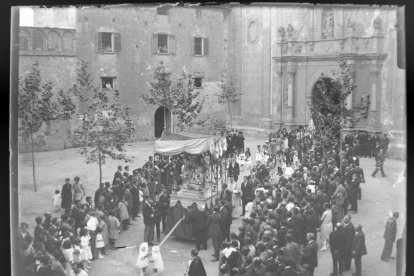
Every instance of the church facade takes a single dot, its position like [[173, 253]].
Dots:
[[274, 54]]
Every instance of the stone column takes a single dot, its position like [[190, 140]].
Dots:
[[279, 94], [350, 96], [374, 88], [291, 82], [290, 92]]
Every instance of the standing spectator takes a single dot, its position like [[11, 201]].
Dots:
[[118, 174], [379, 163], [326, 225], [66, 195], [353, 195], [135, 200], [39, 231], [199, 226], [195, 266], [113, 229], [216, 232], [100, 243], [123, 212], [389, 236], [247, 193], [310, 254], [57, 200], [349, 233], [78, 190], [233, 170], [164, 205], [358, 249], [99, 192], [149, 220], [336, 243]]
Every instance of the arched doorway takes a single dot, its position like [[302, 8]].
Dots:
[[162, 118], [325, 102]]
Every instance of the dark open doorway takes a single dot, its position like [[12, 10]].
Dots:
[[162, 118]]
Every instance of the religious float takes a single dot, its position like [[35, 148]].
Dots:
[[201, 175]]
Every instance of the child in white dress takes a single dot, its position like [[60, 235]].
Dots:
[[100, 243], [57, 200], [142, 261], [157, 259], [87, 252]]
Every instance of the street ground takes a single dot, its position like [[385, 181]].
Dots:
[[379, 196]]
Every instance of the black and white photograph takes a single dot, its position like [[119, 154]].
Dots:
[[177, 139]]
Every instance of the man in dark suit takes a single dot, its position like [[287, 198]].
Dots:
[[379, 163], [118, 174], [233, 170], [164, 205], [225, 193], [247, 193], [226, 215], [310, 254], [199, 224], [358, 249], [389, 236], [336, 243], [216, 232], [149, 220], [349, 233]]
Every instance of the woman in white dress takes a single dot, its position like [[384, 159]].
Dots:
[[326, 225]]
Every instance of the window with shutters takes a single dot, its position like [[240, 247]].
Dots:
[[109, 42], [67, 42], [198, 82], [108, 82], [163, 44], [200, 46]]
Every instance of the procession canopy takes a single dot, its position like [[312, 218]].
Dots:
[[173, 144]]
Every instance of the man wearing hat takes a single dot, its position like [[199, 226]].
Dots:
[[149, 220], [389, 236]]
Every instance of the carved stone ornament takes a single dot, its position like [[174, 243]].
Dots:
[[281, 33], [252, 31], [290, 31], [377, 23], [350, 27], [364, 105]]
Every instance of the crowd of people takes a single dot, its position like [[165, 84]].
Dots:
[[299, 186], [89, 227]]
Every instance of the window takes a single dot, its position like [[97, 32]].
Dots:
[[163, 10], [67, 42], [109, 42], [54, 41], [38, 41], [200, 46], [24, 41], [198, 82], [163, 44], [108, 82]]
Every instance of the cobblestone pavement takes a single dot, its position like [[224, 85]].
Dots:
[[379, 196]]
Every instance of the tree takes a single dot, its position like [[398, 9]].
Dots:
[[227, 95], [329, 111], [179, 97], [105, 124], [36, 105]]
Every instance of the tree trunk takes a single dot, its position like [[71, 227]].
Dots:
[[231, 117], [33, 161], [99, 162]]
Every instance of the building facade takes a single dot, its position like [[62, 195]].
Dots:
[[274, 54]]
